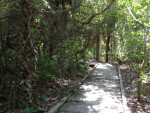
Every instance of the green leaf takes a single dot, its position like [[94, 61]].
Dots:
[[31, 30], [37, 1], [27, 110], [142, 73], [54, 12], [45, 23], [31, 110], [17, 4], [53, 78], [144, 78]]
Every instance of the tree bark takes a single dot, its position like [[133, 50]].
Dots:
[[142, 67], [97, 46], [1, 33], [107, 48]]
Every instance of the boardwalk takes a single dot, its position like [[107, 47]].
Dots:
[[100, 93]]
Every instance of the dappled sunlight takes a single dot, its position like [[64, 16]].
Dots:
[[100, 93], [107, 64], [101, 66], [85, 87]]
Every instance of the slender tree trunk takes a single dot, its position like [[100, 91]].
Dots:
[[1, 34], [107, 47], [51, 51], [97, 46], [2, 44], [139, 89], [145, 53], [142, 68]]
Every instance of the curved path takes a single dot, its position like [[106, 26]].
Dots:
[[100, 93]]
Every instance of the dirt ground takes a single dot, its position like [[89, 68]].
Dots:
[[130, 84], [49, 94]]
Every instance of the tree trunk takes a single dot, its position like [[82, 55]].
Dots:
[[142, 67], [97, 46], [139, 89], [145, 53], [25, 51], [107, 47], [2, 44], [0, 28], [51, 51]]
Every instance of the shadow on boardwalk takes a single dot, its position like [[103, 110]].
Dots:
[[100, 93]]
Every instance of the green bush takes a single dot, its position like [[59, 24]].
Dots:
[[80, 66], [47, 68], [31, 110]]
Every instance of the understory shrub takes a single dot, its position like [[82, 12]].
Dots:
[[47, 68]]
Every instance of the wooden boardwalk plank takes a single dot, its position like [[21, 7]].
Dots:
[[100, 93]]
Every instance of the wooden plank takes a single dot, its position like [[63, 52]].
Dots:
[[55, 108], [125, 106]]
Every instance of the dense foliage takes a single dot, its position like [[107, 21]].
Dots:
[[45, 39]]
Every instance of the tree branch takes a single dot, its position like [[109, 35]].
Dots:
[[6, 16], [94, 15], [134, 16]]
